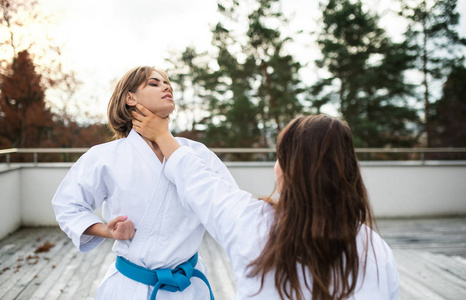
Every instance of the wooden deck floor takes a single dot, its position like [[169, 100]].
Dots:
[[41, 263]]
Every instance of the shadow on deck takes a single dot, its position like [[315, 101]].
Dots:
[[42, 263]]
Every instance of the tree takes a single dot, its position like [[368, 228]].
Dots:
[[188, 72], [278, 70], [234, 119], [436, 43], [366, 76], [17, 20], [24, 119], [252, 89], [448, 113]]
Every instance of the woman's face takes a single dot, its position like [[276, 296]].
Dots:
[[156, 95], [278, 176]]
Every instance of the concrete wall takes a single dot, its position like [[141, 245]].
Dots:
[[10, 201], [258, 178], [416, 190], [395, 189], [38, 186]]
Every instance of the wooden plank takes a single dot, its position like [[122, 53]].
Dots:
[[454, 265], [441, 235], [28, 264], [89, 272], [420, 267], [412, 289], [430, 253], [69, 265], [10, 243], [15, 250], [48, 279], [17, 282]]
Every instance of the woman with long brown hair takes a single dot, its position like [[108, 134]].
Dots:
[[316, 241]]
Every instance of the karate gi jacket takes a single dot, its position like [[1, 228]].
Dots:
[[241, 224], [124, 178]]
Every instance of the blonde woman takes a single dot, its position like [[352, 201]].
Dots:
[[156, 239]]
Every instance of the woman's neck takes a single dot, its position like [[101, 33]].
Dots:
[[155, 148]]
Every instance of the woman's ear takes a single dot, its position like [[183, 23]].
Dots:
[[130, 100]]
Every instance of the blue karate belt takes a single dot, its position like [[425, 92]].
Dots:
[[174, 280]]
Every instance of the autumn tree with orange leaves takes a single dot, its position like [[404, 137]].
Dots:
[[24, 119]]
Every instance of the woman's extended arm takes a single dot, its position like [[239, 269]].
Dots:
[[231, 216]]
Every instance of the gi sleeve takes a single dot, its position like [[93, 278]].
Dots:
[[219, 167], [229, 214], [80, 193]]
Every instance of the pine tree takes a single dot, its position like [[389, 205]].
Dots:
[[261, 76], [436, 44], [278, 70], [448, 113], [188, 73], [366, 78], [248, 80], [235, 117]]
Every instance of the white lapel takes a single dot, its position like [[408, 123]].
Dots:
[[155, 195], [144, 150]]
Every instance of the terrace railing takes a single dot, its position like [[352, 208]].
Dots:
[[415, 153]]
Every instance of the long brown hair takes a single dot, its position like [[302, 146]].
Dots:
[[322, 205], [118, 112]]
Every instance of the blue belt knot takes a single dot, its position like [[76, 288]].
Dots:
[[174, 280]]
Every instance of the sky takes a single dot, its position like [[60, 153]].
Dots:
[[102, 39]]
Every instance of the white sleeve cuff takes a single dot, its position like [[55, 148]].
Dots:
[[84, 242], [173, 161]]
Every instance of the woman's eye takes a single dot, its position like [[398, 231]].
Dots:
[[153, 84]]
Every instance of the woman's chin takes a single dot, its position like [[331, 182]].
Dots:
[[164, 114]]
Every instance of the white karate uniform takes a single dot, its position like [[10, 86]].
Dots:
[[125, 178], [240, 224]]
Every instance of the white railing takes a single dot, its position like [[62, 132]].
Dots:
[[421, 151]]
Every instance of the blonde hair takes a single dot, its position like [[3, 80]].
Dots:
[[118, 112]]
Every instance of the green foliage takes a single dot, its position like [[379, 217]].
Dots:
[[366, 76], [248, 85], [252, 89], [448, 113], [435, 42]]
